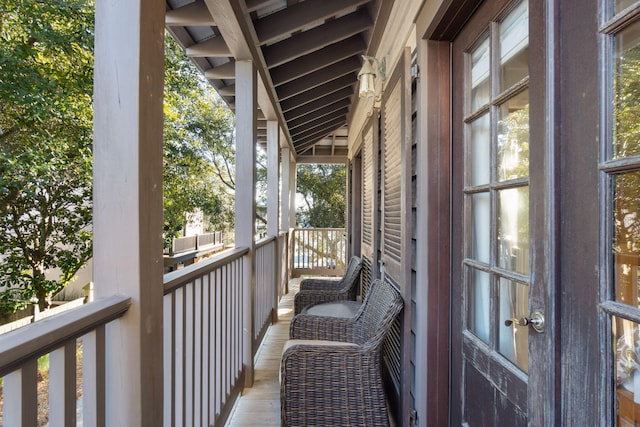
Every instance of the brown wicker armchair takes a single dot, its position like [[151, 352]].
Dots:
[[330, 369], [314, 290]]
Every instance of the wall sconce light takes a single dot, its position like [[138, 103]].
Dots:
[[371, 76]]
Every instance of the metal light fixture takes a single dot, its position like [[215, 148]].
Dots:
[[371, 76]]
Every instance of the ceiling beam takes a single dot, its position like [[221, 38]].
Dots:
[[318, 77], [229, 90], [314, 130], [296, 17], [318, 92], [311, 140], [224, 71], [318, 113], [196, 14], [214, 47], [322, 58], [316, 38], [253, 5], [319, 103], [320, 120]]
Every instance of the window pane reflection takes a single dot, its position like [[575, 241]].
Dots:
[[480, 170], [513, 229], [480, 227], [513, 138], [479, 301], [480, 65], [513, 341], [620, 5], [626, 236], [514, 46], [626, 349], [626, 141]]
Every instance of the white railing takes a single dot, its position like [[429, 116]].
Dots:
[[265, 294], [203, 346], [58, 336], [319, 251]]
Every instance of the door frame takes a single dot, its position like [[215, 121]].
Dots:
[[439, 26]]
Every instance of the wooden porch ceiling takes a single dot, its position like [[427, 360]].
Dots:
[[307, 53]]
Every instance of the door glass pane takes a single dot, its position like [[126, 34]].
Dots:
[[626, 339], [626, 236], [626, 141], [479, 302], [480, 227], [513, 138], [620, 5], [480, 139], [513, 341], [514, 46], [513, 229], [480, 65]]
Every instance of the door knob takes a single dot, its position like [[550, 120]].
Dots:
[[536, 321]]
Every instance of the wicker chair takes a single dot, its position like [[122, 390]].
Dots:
[[331, 368], [313, 291]]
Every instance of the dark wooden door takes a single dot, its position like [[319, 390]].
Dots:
[[502, 354]]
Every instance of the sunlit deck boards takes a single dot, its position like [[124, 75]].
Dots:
[[260, 404]]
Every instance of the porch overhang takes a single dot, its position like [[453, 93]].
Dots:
[[307, 56]]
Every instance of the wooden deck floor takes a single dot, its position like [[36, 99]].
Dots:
[[260, 404]]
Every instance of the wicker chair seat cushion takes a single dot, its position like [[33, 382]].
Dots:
[[334, 309]]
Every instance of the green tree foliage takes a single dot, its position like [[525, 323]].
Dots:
[[46, 78], [198, 147], [199, 150], [322, 187]]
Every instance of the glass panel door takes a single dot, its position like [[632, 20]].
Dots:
[[621, 169], [496, 189]]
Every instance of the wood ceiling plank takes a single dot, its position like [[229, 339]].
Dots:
[[320, 130], [229, 90], [253, 5], [320, 120], [317, 38], [313, 130], [318, 77], [310, 107], [311, 140], [318, 92], [319, 113], [319, 59], [272, 27]]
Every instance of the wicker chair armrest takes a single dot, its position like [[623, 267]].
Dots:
[[321, 285], [307, 327]]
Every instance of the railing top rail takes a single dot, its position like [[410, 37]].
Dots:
[[178, 278], [265, 241], [44, 336], [321, 229]]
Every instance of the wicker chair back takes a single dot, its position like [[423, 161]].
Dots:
[[379, 309], [352, 274]]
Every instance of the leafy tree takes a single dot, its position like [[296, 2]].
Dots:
[[46, 78], [198, 129], [199, 148], [322, 187]]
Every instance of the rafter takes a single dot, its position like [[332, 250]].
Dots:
[[319, 59], [318, 92], [309, 41], [319, 113], [319, 128], [318, 77], [294, 18], [192, 14], [320, 120], [253, 5], [311, 140], [224, 71], [319, 103], [214, 47], [229, 90]]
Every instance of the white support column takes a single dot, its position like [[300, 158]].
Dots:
[[293, 177], [284, 190], [245, 217], [273, 177], [127, 219]]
